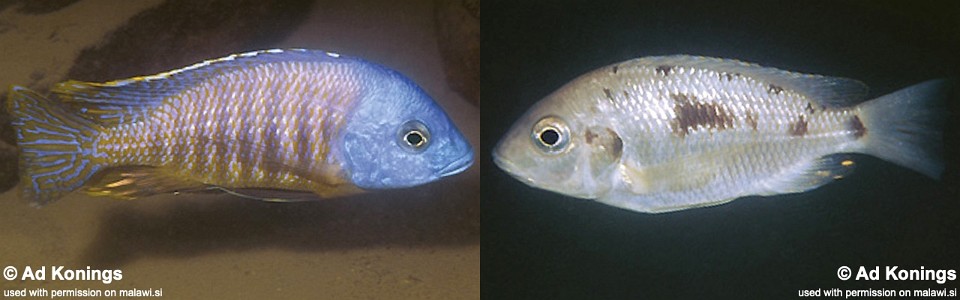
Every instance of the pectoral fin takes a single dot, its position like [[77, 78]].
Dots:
[[674, 176]]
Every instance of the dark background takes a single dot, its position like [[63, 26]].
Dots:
[[541, 245]]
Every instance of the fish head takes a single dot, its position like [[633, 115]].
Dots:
[[562, 146], [397, 137]]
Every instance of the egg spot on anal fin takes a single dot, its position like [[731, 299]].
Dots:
[[856, 126], [809, 174], [798, 128], [692, 114]]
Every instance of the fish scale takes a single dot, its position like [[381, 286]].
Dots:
[[750, 149], [740, 96], [295, 120], [271, 104], [687, 132]]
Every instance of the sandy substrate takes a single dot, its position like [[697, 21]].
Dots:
[[420, 243]]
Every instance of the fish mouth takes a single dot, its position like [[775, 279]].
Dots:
[[511, 169], [457, 166], [503, 164]]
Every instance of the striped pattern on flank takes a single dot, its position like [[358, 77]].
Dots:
[[267, 126]]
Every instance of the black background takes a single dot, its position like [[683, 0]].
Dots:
[[541, 245]]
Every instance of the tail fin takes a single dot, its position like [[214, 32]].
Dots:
[[56, 148], [906, 126]]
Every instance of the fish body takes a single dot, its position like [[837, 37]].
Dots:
[[301, 120], [661, 134]]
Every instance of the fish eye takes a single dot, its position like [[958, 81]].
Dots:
[[551, 134], [413, 135], [549, 137], [414, 138]]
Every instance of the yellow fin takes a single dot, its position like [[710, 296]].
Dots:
[[135, 182]]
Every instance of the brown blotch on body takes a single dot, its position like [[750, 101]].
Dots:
[[606, 92], [691, 114], [616, 145], [615, 68], [809, 108], [798, 128], [752, 119], [857, 127], [603, 143], [589, 136], [774, 89], [728, 76], [664, 70]]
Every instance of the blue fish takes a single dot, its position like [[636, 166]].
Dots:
[[296, 120]]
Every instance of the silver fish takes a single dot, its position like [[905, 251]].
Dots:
[[661, 134]]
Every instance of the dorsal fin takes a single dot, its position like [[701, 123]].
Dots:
[[829, 91], [127, 100]]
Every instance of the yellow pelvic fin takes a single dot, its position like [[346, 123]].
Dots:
[[269, 195]]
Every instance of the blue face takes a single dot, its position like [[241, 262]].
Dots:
[[398, 137]]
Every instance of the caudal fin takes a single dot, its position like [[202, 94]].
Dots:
[[906, 126], [56, 148]]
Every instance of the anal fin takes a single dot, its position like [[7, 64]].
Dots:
[[809, 175], [129, 183]]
